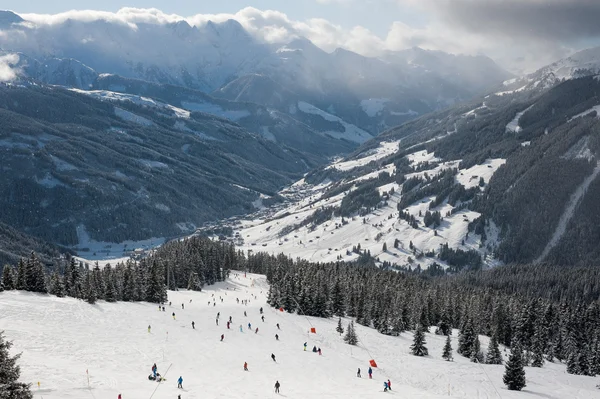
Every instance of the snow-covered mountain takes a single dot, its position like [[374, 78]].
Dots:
[[580, 64], [224, 59], [508, 178]]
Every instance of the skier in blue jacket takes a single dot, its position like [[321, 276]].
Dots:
[[180, 382], [385, 386]]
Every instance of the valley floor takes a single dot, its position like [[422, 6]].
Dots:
[[61, 339]]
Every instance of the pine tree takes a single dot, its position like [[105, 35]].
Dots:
[[157, 290], [447, 354], [8, 280], [538, 347], [514, 374], [194, 282], [337, 300], [493, 355], [418, 347], [10, 387], [466, 339], [21, 276], [110, 293], [339, 327], [350, 337], [476, 354], [90, 289], [56, 285]]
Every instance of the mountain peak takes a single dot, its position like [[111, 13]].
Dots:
[[7, 18]]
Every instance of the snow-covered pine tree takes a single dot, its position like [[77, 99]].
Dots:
[[514, 374], [10, 387], [110, 293], [128, 284], [447, 354], [537, 346], [157, 290], [418, 347], [21, 275], [56, 285], [8, 280], [90, 289], [337, 300], [493, 355], [339, 327], [466, 339], [476, 353], [444, 328], [350, 337], [194, 282]]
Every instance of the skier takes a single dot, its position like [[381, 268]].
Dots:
[[261, 310], [218, 314], [278, 326], [277, 385], [241, 329], [358, 373], [389, 384], [222, 337], [305, 347], [319, 351], [249, 326], [182, 306], [169, 303], [228, 325], [263, 318], [119, 396], [277, 337], [217, 321], [173, 315], [193, 325], [273, 357], [149, 328], [163, 308], [256, 331], [230, 319], [180, 382], [370, 372], [314, 349], [245, 315], [159, 308], [245, 366], [385, 386]]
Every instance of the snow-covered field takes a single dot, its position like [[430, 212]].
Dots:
[[61, 339], [281, 231]]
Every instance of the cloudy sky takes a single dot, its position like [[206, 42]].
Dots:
[[521, 35]]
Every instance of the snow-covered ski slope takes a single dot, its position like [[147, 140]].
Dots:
[[62, 338]]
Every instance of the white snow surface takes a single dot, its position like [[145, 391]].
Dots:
[[351, 132], [373, 106], [106, 95], [63, 340], [384, 149], [470, 177], [131, 117], [589, 111], [513, 126]]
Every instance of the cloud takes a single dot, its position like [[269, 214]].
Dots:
[[521, 34], [8, 69]]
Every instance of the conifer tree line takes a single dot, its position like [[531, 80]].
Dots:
[[392, 302], [515, 305], [191, 264]]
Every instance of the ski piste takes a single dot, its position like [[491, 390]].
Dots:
[[111, 341]]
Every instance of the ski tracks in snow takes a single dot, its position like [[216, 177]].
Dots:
[[568, 213]]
